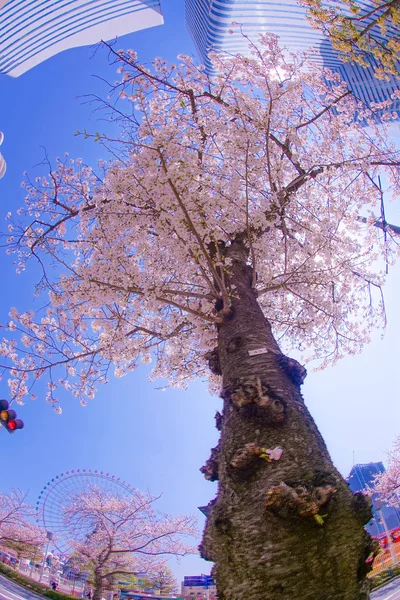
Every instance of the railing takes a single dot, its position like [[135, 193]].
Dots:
[[64, 585]]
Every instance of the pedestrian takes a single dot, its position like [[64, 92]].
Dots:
[[54, 585]]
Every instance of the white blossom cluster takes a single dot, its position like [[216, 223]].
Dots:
[[114, 534], [265, 151]]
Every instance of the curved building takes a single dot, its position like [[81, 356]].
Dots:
[[33, 30], [3, 165], [209, 23]]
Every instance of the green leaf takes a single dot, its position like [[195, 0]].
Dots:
[[319, 519]]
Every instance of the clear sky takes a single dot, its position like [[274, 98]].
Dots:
[[156, 440]]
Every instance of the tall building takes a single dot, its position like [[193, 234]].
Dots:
[[2, 161], [33, 30], [359, 478], [210, 23], [199, 587]]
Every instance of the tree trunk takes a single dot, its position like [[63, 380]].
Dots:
[[97, 584], [278, 529]]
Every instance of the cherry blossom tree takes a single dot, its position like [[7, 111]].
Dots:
[[162, 581], [16, 523], [387, 484], [119, 536], [361, 31], [237, 215]]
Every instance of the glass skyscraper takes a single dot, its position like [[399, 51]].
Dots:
[[209, 22], [33, 30]]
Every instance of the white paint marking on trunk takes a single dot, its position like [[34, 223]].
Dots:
[[258, 351]]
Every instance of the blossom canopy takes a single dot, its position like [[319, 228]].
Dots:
[[281, 157]]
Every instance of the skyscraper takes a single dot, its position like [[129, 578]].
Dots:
[[359, 478], [33, 30], [210, 23]]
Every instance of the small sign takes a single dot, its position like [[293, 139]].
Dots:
[[258, 351]]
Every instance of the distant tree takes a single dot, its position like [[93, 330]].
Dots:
[[387, 485], [17, 529], [162, 581], [23, 550], [118, 537], [361, 30], [240, 213], [129, 581]]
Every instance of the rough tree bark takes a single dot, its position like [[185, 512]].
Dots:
[[284, 529], [97, 584]]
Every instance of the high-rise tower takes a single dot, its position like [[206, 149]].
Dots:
[[33, 30], [210, 23]]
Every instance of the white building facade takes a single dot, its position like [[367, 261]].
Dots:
[[33, 30], [209, 22]]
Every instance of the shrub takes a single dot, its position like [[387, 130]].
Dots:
[[384, 576], [57, 596]]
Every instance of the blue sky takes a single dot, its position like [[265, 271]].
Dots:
[[156, 440]]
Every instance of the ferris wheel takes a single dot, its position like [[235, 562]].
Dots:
[[58, 494]]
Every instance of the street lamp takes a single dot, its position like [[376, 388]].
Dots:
[[379, 506]]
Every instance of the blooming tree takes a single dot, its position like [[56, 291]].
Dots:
[[360, 31], [236, 215], [387, 484], [16, 523], [162, 581], [116, 536]]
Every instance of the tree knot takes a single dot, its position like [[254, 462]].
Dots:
[[260, 394], [293, 369], [305, 502], [213, 361], [234, 344], [251, 452], [362, 505], [218, 420], [210, 469]]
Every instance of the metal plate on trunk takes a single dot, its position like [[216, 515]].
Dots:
[[258, 351]]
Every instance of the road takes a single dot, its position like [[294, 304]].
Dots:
[[391, 591], [11, 591]]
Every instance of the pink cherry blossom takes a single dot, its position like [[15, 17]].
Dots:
[[275, 454], [17, 520], [387, 485], [266, 151], [119, 535]]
